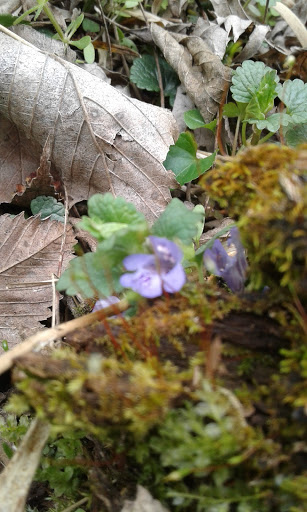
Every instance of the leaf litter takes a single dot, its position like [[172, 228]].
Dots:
[[99, 140]]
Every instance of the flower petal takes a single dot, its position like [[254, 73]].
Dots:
[[216, 259], [174, 280], [145, 282], [166, 251], [137, 261], [104, 303]]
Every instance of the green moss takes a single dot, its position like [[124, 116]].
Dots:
[[264, 188]]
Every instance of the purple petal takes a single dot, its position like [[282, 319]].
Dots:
[[216, 259], [137, 261], [234, 279], [145, 282], [104, 303], [174, 280], [167, 252]]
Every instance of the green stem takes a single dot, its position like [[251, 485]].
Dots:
[[54, 22], [266, 137], [244, 133], [25, 14]]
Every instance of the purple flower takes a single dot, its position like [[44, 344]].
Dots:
[[104, 303], [155, 272], [231, 268]]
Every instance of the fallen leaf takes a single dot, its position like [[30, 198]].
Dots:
[[229, 7], [206, 80], [214, 36], [29, 253], [101, 140], [254, 43]]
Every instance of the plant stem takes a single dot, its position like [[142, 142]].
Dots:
[[266, 137], [54, 22], [244, 133]]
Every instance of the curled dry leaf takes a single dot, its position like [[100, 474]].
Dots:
[[201, 72], [101, 140], [30, 252]]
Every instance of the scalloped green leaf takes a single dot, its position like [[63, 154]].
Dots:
[[247, 79], [294, 96], [178, 223], [108, 214], [182, 160], [48, 207]]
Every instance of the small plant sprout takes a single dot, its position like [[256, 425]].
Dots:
[[156, 272], [231, 268]]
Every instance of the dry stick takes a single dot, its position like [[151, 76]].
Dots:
[[7, 359]]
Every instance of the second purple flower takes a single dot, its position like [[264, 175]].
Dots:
[[155, 273]]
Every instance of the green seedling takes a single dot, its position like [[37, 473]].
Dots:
[[84, 43]]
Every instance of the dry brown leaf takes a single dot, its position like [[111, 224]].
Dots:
[[201, 72], [101, 139], [17, 477], [29, 254], [39, 183], [228, 7], [19, 158]]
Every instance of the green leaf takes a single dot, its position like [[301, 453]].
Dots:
[[89, 53], [108, 214], [182, 160], [296, 134], [48, 207], [94, 274], [272, 123], [98, 273], [193, 119], [144, 74], [81, 43], [74, 25], [7, 20], [263, 99], [231, 110], [247, 79], [178, 223], [90, 26], [294, 96]]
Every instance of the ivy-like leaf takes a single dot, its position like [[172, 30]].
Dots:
[[178, 223], [247, 79], [182, 160], [94, 274], [108, 215], [144, 74], [294, 96], [193, 119], [98, 273], [48, 207]]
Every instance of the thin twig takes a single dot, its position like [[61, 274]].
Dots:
[[44, 337]]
